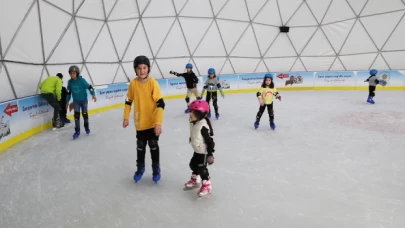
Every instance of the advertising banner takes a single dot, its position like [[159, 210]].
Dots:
[[163, 86], [228, 82], [8, 118], [110, 95], [250, 81], [177, 86], [393, 77], [338, 78], [294, 79]]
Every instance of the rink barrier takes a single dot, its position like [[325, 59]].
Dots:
[[28, 116]]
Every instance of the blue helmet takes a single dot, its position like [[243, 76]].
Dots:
[[373, 72], [268, 76], [189, 65], [211, 71]]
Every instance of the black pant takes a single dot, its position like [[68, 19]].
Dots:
[[214, 97], [51, 99], [145, 137], [63, 110], [371, 90], [198, 164], [269, 110]]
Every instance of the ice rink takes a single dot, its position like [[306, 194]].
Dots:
[[333, 161]]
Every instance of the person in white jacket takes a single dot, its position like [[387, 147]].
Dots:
[[201, 140]]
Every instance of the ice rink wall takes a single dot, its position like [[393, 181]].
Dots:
[[22, 118]]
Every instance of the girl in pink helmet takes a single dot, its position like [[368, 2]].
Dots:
[[203, 145]]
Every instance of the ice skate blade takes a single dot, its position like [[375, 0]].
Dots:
[[190, 188], [204, 197]]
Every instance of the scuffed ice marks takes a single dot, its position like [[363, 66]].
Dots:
[[313, 171]]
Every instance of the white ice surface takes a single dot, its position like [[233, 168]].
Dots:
[[334, 161]]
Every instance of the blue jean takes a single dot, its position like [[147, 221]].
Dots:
[[83, 106]]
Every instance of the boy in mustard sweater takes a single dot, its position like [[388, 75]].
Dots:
[[144, 92]]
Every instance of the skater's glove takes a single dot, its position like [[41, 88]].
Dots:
[[199, 98], [210, 160], [194, 85], [222, 95], [278, 97]]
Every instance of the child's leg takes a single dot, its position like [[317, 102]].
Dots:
[[153, 141], [77, 115], [205, 176], [214, 101], [63, 110], [271, 112], [85, 115], [260, 113], [371, 90], [195, 92], [208, 100], [192, 183], [141, 142], [202, 167], [188, 97]]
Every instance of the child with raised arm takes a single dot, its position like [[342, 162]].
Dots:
[[144, 92], [191, 83]]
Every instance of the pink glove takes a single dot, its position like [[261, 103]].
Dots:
[[261, 101], [210, 160], [279, 97]]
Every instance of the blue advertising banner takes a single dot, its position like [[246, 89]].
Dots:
[[228, 82], [250, 81], [393, 77], [332, 78], [294, 79], [9, 113]]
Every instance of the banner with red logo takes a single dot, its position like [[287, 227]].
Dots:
[[294, 79]]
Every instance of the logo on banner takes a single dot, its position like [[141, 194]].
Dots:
[[10, 109], [293, 79], [384, 75]]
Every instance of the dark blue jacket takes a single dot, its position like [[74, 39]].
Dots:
[[78, 89]]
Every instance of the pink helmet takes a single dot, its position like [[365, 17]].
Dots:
[[199, 105]]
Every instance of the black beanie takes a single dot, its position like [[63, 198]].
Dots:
[[60, 75]]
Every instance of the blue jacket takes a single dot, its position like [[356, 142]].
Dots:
[[78, 89]]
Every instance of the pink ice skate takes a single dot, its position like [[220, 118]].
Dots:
[[205, 189], [192, 183]]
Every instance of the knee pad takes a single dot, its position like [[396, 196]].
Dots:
[[77, 115], [140, 145], [85, 115], [153, 144], [187, 99]]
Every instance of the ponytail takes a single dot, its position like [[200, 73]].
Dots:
[[209, 125]]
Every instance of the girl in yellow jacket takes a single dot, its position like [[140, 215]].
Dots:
[[265, 96]]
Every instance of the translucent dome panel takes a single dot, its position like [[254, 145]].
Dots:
[[45, 37]]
